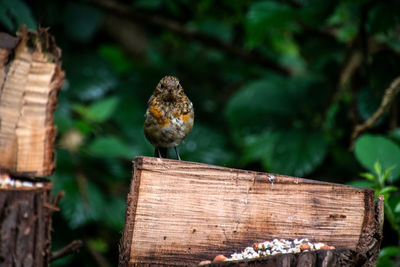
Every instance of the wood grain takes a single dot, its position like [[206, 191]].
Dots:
[[30, 77], [183, 212]]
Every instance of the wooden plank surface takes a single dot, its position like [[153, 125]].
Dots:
[[183, 212]]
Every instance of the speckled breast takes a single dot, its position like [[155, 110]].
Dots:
[[168, 130]]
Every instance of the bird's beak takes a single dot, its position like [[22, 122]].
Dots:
[[170, 90]]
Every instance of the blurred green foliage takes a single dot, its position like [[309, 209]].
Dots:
[[341, 55], [377, 180]]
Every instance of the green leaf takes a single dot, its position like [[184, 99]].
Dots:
[[5, 19], [109, 146], [216, 28], [387, 172], [383, 17], [368, 176], [316, 12], [393, 43], [285, 44], [268, 15], [101, 110], [384, 262], [295, 153], [368, 101], [397, 208], [372, 148], [256, 147], [82, 202], [205, 144], [84, 126], [15, 13], [273, 101], [390, 251], [362, 183], [117, 58], [395, 135], [249, 103], [98, 245], [82, 21], [89, 76], [388, 189], [378, 168], [344, 17], [113, 213], [63, 121], [130, 121]]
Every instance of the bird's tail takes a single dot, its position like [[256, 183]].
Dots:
[[160, 151]]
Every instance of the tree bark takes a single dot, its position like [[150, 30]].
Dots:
[[25, 225]]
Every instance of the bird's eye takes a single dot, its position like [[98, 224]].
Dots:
[[162, 86]]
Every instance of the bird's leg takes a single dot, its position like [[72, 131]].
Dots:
[[161, 152], [177, 153], [157, 152]]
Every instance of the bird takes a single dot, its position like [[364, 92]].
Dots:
[[169, 116]]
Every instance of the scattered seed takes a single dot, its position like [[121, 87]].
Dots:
[[276, 247], [6, 182], [271, 178], [325, 247], [219, 258], [305, 246], [27, 184], [204, 263], [318, 245]]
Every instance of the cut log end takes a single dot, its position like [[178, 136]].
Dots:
[[30, 78], [181, 213]]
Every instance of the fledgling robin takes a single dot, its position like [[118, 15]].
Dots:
[[169, 116]]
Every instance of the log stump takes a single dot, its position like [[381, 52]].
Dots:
[[25, 223], [182, 213], [30, 78]]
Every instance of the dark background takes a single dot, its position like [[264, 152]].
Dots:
[[277, 86]]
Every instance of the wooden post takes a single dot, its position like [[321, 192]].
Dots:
[[181, 213], [30, 78]]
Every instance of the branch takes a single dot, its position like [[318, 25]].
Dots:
[[68, 249], [173, 26], [54, 206], [58, 198], [387, 100]]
